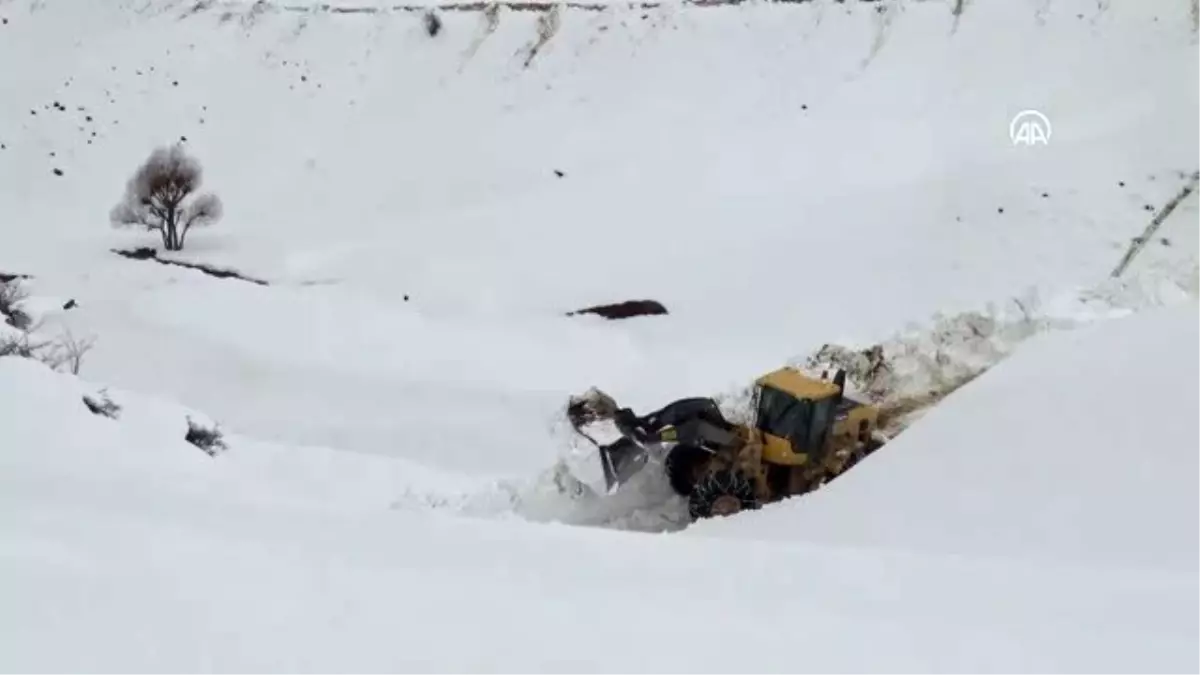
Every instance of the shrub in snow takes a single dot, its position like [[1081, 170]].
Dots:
[[64, 353], [19, 344], [11, 295], [67, 352], [16, 338], [101, 404], [159, 197], [208, 439]]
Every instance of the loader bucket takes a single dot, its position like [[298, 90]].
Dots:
[[592, 417], [621, 460]]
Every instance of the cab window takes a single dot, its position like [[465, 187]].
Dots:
[[783, 415]]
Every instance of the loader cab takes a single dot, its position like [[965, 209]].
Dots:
[[795, 413]]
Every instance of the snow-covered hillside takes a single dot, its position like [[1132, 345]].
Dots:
[[705, 152], [426, 209]]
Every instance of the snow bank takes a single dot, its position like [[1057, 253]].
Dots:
[[1082, 446]]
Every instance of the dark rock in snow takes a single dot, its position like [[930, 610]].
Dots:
[[148, 253], [143, 253], [624, 310]]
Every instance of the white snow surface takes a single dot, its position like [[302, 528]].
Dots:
[[397, 492]]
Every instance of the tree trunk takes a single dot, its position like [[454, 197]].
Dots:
[[172, 233]]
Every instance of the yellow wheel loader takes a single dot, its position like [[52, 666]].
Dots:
[[805, 432]]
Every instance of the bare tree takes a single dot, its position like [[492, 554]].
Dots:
[[68, 352], [157, 197]]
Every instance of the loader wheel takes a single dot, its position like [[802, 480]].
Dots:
[[723, 493], [683, 464]]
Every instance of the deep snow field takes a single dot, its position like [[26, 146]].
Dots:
[[398, 491]]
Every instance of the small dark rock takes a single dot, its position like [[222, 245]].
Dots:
[[183, 139], [1000, 210], [558, 173], [58, 172], [1045, 194], [1164, 241], [804, 106], [304, 78], [174, 83], [1148, 207], [1121, 184], [70, 304], [406, 297], [88, 118]]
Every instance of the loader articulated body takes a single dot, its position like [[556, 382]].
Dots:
[[805, 432]]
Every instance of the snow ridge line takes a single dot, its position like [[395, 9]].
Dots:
[[482, 5]]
